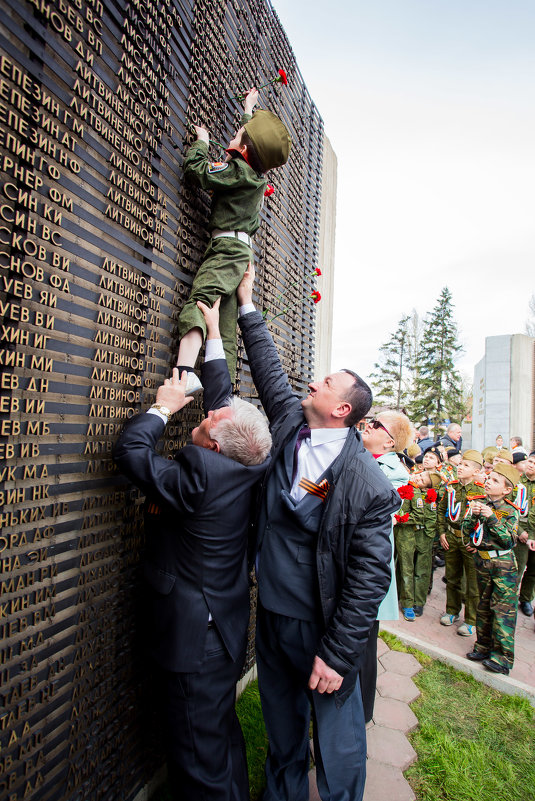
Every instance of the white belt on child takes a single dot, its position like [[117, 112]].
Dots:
[[241, 235], [493, 554]]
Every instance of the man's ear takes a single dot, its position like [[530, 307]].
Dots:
[[342, 410], [214, 446]]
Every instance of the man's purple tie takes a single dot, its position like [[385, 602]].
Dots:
[[303, 434]]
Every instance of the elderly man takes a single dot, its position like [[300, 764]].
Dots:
[[323, 567], [196, 593], [452, 438]]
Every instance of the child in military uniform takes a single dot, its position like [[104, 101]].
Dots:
[[239, 185], [452, 507], [491, 526], [525, 500], [414, 531]]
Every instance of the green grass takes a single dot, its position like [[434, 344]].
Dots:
[[473, 743], [254, 731]]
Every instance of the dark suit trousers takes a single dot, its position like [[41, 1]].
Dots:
[[205, 745], [285, 650]]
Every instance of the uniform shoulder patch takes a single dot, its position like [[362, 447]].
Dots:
[[217, 166], [479, 483]]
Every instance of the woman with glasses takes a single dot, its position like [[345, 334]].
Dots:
[[389, 432]]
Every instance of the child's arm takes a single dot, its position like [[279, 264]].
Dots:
[[502, 530]]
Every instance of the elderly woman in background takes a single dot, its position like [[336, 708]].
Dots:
[[387, 433]]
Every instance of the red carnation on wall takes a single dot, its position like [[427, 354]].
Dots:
[[402, 518], [317, 271], [282, 78], [406, 492], [316, 297], [431, 496], [269, 190]]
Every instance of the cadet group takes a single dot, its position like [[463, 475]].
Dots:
[[473, 512]]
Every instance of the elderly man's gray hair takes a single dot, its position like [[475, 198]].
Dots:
[[245, 436]]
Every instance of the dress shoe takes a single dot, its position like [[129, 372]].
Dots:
[[418, 610], [526, 608], [495, 667], [476, 656]]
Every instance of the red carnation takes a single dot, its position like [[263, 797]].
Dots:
[[269, 190], [431, 496], [406, 492], [317, 271], [402, 518], [316, 297], [282, 78]]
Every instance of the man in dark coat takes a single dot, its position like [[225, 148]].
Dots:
[[323, 567], [196, 593]]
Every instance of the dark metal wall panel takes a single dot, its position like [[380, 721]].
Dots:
[[99, 242]]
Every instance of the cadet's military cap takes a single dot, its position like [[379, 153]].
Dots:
[[452, 452], [508, 471], [436, 481], [473, 456], [270, 137], [519, 456], [413, 450], [489, 453], [503, 453]]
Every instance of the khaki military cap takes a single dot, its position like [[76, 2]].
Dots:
[[473, 456], [270, 138], [503, 453], [507, 470]]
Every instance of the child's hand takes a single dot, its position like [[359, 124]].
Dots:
[[475, 508], [486, 511], [531, 545], [202, 134], [251, 99], [444, 542], [245, 288], [211, 315]]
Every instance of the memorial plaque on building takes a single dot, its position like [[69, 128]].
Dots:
[[99, 241]]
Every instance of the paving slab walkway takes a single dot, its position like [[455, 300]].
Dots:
[[389, 751]]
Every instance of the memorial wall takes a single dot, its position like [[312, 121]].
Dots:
[[99, 242]]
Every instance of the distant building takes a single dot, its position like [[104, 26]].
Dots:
[[504, 391], [325, 284]]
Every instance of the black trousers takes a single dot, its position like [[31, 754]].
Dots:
[[285, 650], [205, 746]]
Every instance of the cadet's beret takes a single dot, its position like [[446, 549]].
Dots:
[[452, 452], [519, 456], [407, 461], [270, 137], [413, 450], [473, 456], [434, 449], [503, 453], [508, 471]]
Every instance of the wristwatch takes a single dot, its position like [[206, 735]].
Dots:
[[162, 409]]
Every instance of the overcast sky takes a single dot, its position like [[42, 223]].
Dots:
[[430, 108]]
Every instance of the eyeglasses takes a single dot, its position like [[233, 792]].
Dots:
[[377, 424]]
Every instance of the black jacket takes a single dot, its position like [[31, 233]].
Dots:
[[196, 527], [353, 548]]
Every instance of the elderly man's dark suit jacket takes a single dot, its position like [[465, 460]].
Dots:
[[197, 525]]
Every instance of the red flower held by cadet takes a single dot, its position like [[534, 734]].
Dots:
[[402, 518], [280, 78], [316, 297], [406, 492], [431, 496]]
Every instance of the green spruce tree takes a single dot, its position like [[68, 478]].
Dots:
[[390, 376], [438, 385]]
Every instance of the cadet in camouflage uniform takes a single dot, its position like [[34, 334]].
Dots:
[[492, 524], [238, 185], [413, 534], [525, 500], [451, 510]]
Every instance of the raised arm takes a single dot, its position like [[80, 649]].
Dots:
[[271, 382], [214, 371]]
